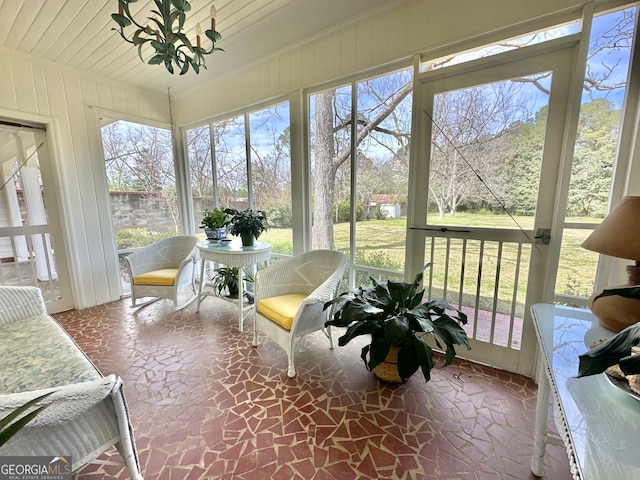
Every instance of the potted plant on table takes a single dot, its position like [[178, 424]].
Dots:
[[248, 224], [399, 323], [214, 223]]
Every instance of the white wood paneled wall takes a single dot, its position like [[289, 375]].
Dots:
[[368, 43], [62, 98]]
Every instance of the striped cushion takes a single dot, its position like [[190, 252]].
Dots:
[[166, 277], [281, 309]]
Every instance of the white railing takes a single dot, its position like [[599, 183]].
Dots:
[[484, 273], [485, 278], [27, 259]]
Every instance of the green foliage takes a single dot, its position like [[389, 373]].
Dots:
[[227, 278], [215, 218], [575, 286], [378, 215], [394, 315], [139, 237], [16, 420], [247, 223], [279, 214], [591, 168], [342, 212], [523, 168], [593, 158], [377, 259]]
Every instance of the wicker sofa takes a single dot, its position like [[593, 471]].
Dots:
[[87, 413]]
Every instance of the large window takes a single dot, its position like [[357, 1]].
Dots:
[[142, 186], [359, 207], [270, 151], [245, 162], [595, 149], [594, 155], [359, 137]]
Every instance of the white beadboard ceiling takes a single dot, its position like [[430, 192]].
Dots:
[[77, 33]]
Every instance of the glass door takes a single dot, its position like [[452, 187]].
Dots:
[[142, 187], [31, 245], [484, 182]]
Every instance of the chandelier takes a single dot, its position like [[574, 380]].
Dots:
[[165, 34]]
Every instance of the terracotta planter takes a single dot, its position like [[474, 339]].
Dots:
[[388, 370]]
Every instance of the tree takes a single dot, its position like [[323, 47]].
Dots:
[[332, 149], [270, 157], [523, 166], [200, 164], [140, 158], [596, 143], [230, 160], [503, 148], [326, 165], [469, 143]]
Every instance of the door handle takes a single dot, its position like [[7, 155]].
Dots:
[[543, 236]]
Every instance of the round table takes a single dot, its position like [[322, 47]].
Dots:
[[232, 254]]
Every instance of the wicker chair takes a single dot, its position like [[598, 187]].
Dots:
[[290, 297], [164, 269]]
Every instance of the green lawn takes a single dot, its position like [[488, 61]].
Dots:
[[381, 243]]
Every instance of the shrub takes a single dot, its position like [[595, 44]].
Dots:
[[139, 237], [378, 215], [342, 212], [279, 215], [576, 286], [378, 259]]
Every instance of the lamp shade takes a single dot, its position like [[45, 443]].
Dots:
[[619, 233]]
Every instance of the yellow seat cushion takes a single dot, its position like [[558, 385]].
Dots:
[[165, 277], [281, 309]]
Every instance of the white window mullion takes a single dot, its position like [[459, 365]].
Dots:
[[568, 149], [247, 146], [354, 173], [626, 172], [300, 172], [214, 167]]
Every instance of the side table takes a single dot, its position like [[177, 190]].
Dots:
[[232, 254], [597, 421]]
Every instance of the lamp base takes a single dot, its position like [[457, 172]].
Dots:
[[615, 312]]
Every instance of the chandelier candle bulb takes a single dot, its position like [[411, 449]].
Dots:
[[214, 14]]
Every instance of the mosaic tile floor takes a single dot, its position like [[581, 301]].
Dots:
[[205, 404]]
